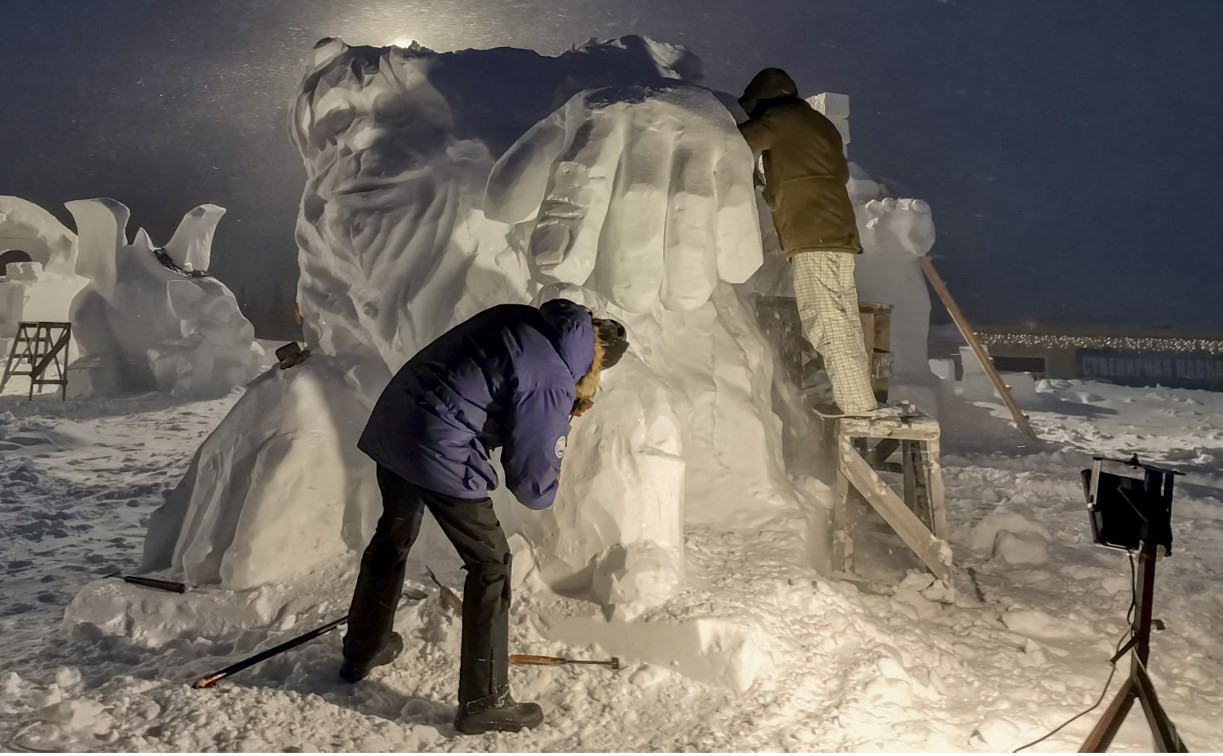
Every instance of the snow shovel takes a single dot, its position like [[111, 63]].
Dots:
[[208, 681]]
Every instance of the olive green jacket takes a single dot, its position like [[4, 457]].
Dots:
[[805, 171]]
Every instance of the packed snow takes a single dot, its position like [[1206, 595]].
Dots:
[[758, 652], [690, 535]]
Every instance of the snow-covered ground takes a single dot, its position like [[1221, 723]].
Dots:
[[788, 660]]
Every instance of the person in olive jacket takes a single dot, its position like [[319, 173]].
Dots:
[[805, 173]]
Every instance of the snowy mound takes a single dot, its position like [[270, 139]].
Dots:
[[608, 178]]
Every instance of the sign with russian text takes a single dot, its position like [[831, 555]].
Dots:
[[1193, 370]]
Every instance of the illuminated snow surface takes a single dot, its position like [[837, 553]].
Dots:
[[685, 539], [837, 666]]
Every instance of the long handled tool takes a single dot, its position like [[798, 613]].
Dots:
[[1004, 391], [208, 681], [555, 661], [450, 597], [163, 585]]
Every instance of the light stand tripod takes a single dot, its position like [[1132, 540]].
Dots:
[[1150, 510]]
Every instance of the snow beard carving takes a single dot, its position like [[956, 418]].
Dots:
[[589, 383]]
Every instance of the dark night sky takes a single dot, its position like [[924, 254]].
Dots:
[[1067, 148]]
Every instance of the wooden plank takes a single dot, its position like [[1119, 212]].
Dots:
[[881, 452], [1021, 420], [934, 553], [842, 545], [921, 429]]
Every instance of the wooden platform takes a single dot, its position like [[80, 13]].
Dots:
[[866, 447]]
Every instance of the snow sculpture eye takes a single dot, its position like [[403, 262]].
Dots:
[[332, 125], [392, 108]]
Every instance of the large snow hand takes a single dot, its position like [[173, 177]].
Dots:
[[641, 193]]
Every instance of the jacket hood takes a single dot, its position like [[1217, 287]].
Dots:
[[574, 334], [769, 84]]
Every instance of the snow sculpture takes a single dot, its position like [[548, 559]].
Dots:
[[141, 324], [610, 180], [296, 466], [895, 232], [43, 284]]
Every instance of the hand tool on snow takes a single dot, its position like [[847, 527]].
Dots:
[[207, 681], [450, 597], [556, 661], [164, 585]]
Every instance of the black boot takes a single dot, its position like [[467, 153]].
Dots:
[[505, 715], [353, 671]]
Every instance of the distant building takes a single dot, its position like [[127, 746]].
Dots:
[[1128, 357]]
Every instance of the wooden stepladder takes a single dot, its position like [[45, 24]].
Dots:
[[865, 448], [43, 348]]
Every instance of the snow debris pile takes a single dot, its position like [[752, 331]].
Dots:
[[144, 318], [605, 177]]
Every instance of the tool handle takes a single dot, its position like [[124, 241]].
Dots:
[[534, 659], [165, 585], [209, 680]]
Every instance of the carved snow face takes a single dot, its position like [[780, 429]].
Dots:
[[387, 182]]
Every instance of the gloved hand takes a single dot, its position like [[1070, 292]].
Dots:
[[580, 406]]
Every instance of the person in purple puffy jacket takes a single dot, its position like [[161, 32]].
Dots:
[[511, 377]]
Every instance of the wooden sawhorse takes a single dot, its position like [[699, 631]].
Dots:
[[865, 447]]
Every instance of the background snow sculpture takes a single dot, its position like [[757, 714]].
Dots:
[[610, 180], [895, 232], [38, 258], [148, 324]]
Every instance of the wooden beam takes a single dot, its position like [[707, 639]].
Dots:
[[935, 554], [1021, 420]]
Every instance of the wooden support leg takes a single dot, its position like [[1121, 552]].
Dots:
[[842, 542], [1106, 729], [938, 505], [934, 553]]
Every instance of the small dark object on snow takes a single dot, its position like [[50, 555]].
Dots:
[[291, 354], [353, 671], [164, 585], [506, 715], [556, 661]]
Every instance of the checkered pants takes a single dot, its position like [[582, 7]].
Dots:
[[828, 307]]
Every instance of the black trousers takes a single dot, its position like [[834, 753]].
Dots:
[[472, 527]]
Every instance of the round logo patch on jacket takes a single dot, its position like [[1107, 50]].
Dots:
[[560, 447]]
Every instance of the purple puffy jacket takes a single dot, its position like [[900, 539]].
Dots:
[[505, 378]]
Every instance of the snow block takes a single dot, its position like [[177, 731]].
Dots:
[[831, 104], [724, 653]]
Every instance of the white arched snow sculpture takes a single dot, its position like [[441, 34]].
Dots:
[[43, 287], [144, 326], [399, 241]]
